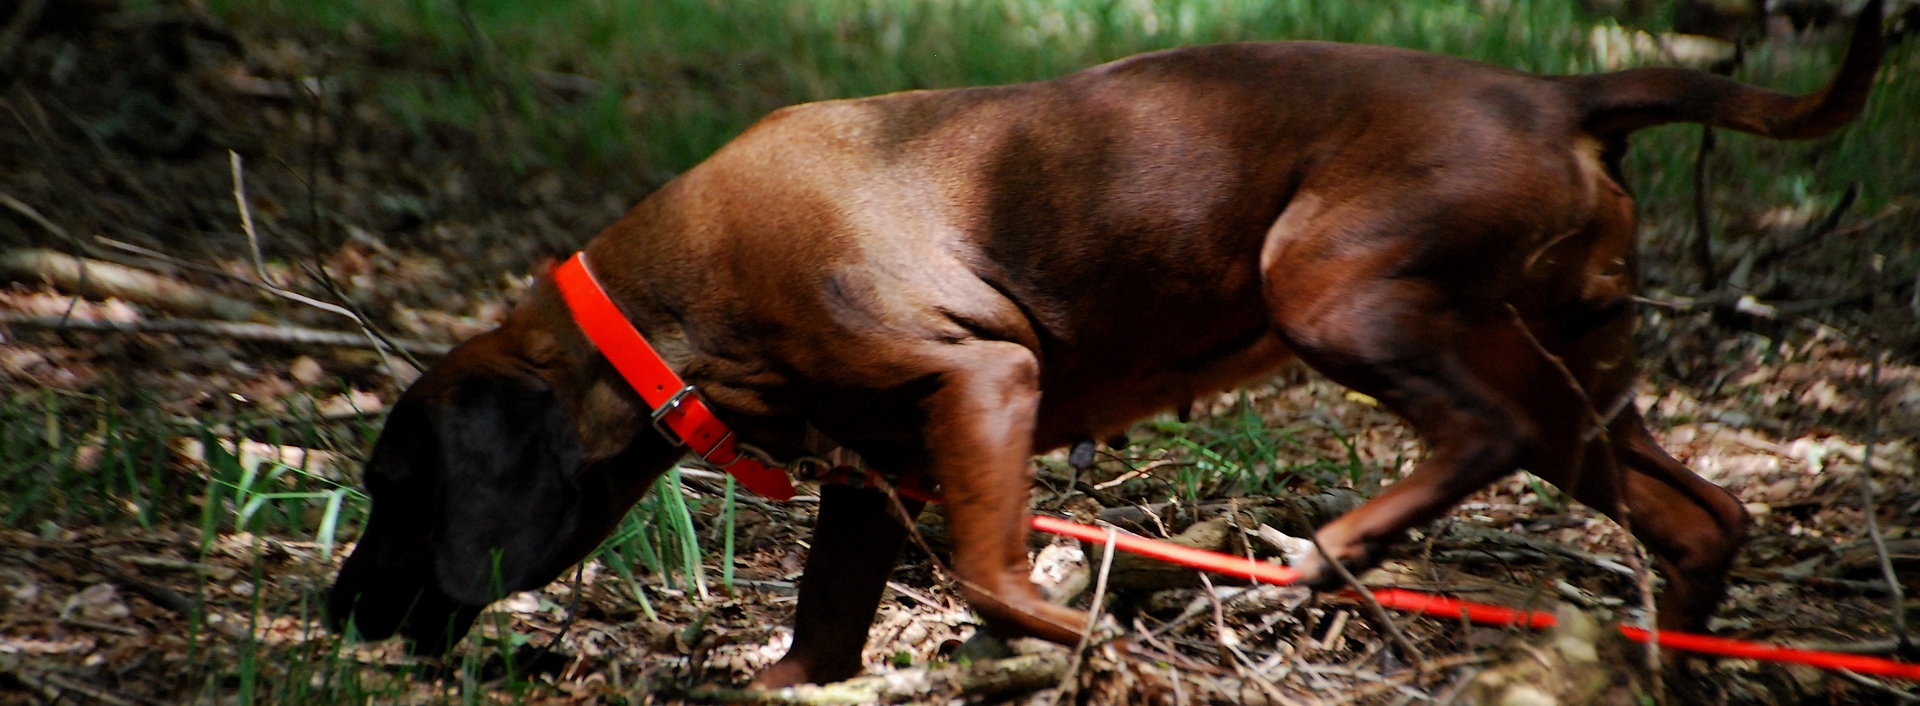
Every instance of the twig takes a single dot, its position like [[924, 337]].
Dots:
[[79, 249], [333, 288], [103, 627], [1644, 582], [914, 596], [52, 685], [1600, 423], [1230, 650], [1880, 686], [1869, 507], [1459, 686], [156, 594], [1190, 614], [1746, 303], [1173, 676], [171, 260], [24, 18], [1642, 571], [380, 345], [573, 611], [1475, 534], [906, 519], [33, 214], [1093, 616], [1375, 613], [1156, 648], [1395, 681], [1825, 227], [1703, 231], [1864, 647], [981, 680], [227, 329]]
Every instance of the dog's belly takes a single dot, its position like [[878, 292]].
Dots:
[[1073, 409]]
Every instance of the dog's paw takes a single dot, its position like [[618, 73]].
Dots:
[[779, 676], [1318, 574]]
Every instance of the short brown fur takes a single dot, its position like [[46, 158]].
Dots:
[[951, 281]]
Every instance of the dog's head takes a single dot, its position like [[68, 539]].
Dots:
[[481, 487]]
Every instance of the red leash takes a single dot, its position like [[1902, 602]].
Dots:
[[1480, 613]]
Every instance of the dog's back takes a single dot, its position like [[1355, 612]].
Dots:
[[1155, 186]]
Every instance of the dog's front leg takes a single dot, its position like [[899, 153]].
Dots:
[[856, 543], [979, 429]]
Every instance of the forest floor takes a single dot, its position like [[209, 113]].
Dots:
[[177, 494]]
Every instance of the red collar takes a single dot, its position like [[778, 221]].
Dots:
[[679, 413]]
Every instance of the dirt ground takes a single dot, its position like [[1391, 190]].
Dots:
[[119, 125]]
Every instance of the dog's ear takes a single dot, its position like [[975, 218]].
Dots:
[[476, 485], [508, 493]]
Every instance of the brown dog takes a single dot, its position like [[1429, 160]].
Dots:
[[909, 273]]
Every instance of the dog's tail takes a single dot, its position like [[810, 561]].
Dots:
[[1618, 103]]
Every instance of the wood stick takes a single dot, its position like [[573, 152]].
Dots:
[[95, 278], [1093, 617], [1703, 228], [988, 679], [1870, 509], [380, 342], [244, 331], [1377, 614]]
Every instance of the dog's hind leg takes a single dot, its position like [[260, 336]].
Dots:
[[1395, 341], [856, 543], [1693, 528]]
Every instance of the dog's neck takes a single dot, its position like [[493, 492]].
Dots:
[[606, 412]]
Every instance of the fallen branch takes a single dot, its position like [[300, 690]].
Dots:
[[1471, 535], [95, 278], [1863, 647], [1902, 695], [986, 679], [54, 686], [1133, 572], [154, 593], [224, 329]]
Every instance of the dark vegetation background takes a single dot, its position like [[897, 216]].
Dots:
[[174, 499]]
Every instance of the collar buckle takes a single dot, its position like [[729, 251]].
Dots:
[[660, 413]]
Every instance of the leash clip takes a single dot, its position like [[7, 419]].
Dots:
[[666, 408]]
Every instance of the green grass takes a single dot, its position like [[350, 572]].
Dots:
[[678, 78], [71, 460], [1241, 453]]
